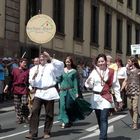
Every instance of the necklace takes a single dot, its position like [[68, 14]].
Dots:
[[42, 72]]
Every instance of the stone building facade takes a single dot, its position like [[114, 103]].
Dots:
[[85, 28]]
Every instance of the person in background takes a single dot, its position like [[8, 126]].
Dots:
[[80, 76], [85, 75], [14, 64], [101, 80], [19, 79], [7, 77], [1, 81], [8, 62], [122, 75], [36, 62], [110, 63], [137, 56], [43, 78], [132, 85]]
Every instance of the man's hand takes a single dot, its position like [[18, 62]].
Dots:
[[88, 80], [48, 57]]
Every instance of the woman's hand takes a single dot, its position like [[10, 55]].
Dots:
[[5, 89], [120, 105], [77, 95]]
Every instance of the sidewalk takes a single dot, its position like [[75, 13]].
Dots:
[[9, 105]]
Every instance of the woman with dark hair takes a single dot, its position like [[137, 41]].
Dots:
[[121, 74], [68, 82], [101, 80], [68, 86], [132, 82]]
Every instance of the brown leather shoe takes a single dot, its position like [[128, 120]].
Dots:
[[29, 136], [46, 136]]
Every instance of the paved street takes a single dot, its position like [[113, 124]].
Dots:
[[119, 127]]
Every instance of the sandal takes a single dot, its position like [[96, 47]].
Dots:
[[63, 125], [134, 126]]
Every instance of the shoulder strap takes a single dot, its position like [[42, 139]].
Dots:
[[110, 77], [99, 74]]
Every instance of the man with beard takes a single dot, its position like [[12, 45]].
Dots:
[[43, 79]]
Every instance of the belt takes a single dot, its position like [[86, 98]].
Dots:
[[45, 88], [20, 85], [95, 92], [62, 89]]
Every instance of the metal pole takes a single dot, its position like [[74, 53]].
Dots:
[[40, 49]]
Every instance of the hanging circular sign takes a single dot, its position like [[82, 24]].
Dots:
[[41, 28]]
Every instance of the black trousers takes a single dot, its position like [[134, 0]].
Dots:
[[49, 115]]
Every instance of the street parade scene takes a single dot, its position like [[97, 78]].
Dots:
[[70, 69]]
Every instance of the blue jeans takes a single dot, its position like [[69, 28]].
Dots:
[[102, 118]]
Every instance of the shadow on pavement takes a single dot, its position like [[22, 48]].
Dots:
[[81, 123], [119, 138], [66, 132], [6, 130], [2, 111]]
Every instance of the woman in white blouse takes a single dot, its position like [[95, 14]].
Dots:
[[122, 75], [101, 80]]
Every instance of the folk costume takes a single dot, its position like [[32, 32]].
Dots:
[[20, 91], [46, 93], [71, 107], [97, 100], [101, 81]]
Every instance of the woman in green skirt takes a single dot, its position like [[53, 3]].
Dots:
[[69, 110]]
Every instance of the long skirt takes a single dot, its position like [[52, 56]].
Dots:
[[77, 109]]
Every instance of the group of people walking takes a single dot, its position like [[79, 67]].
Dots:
[[50, 79]]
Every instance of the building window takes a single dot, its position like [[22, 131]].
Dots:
[[33, 8], [78, 19], [129, 4], [129, 36], [119, 36], [108, 26], [121, 1], [94, 23], [58, 15], [138, 7], [137, 35]]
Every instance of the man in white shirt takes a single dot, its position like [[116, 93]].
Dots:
[[43, 78]]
